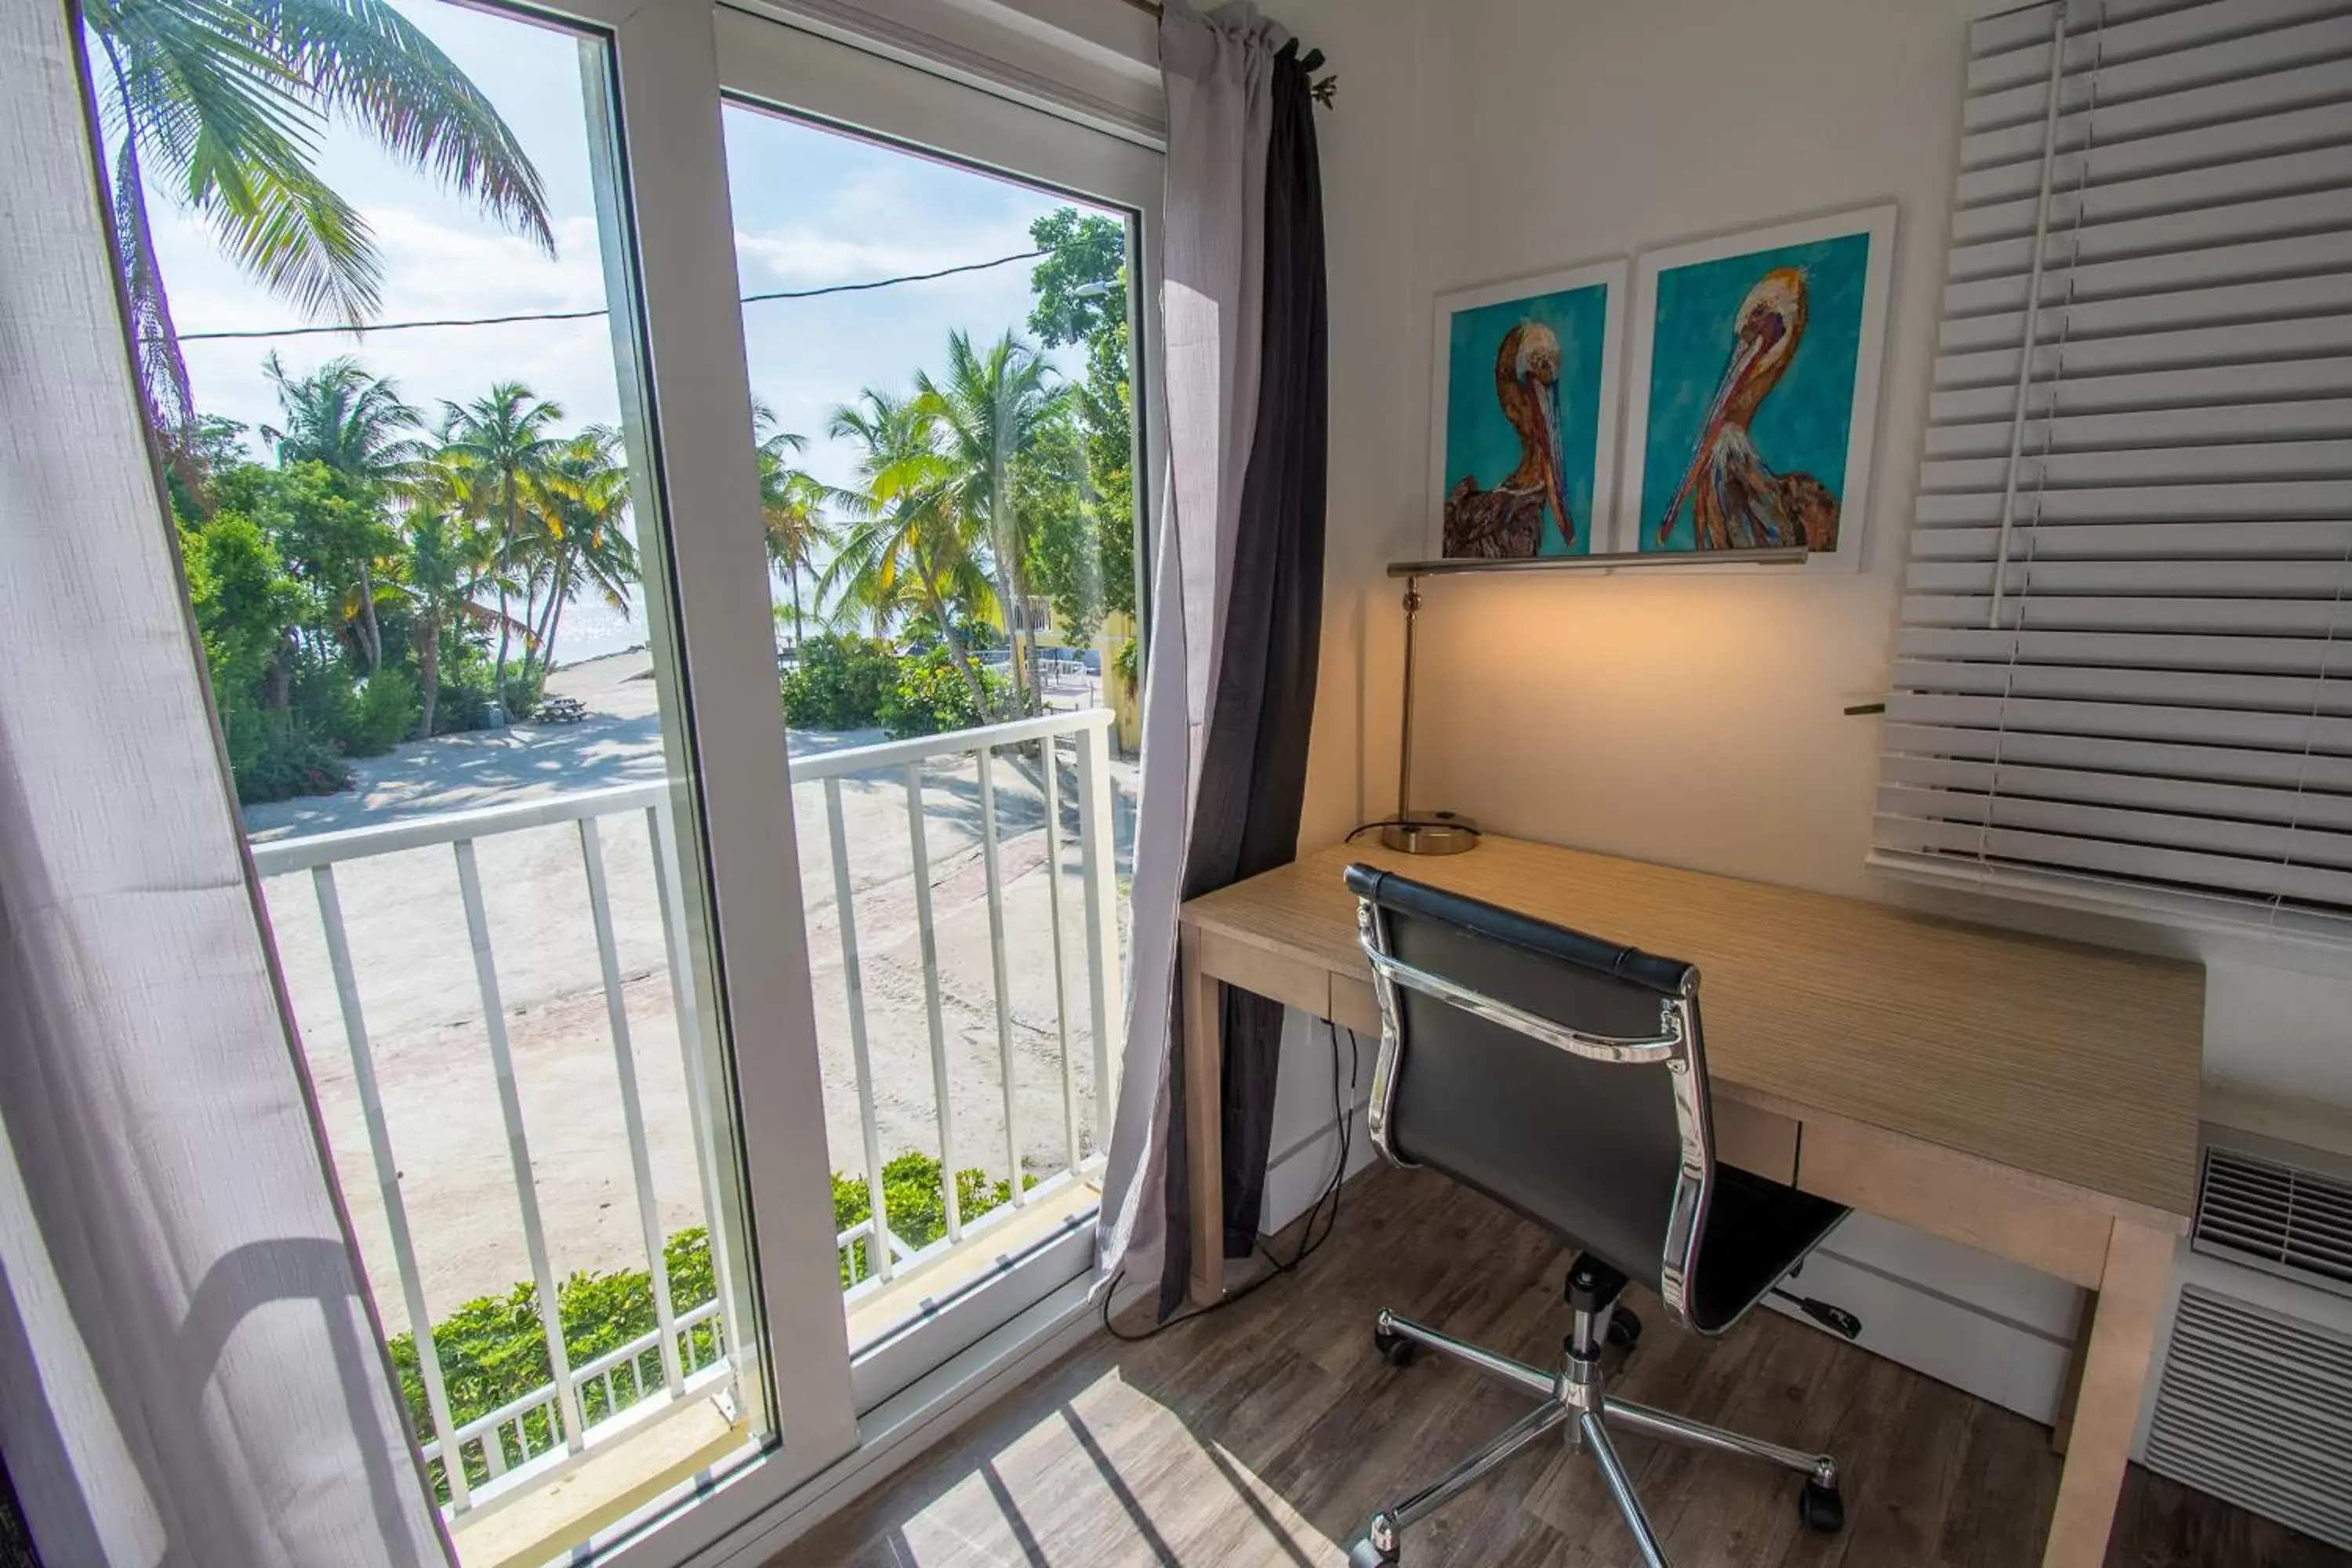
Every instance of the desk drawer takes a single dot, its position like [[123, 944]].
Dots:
[[1289, 981], [1759, 1140]]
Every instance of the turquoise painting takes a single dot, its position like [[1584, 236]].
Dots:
[[1751, 397], [1525, 380]]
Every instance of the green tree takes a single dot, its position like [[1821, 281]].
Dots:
[[508, 433], [356, 425], [224, 103], [989, 405], [792, 504], [903, 542], [582, 494], [325, 525], [1081, 298]]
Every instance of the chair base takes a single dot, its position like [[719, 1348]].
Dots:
[[1575, 1403]]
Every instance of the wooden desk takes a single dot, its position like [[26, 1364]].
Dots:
[[2033, 1099]]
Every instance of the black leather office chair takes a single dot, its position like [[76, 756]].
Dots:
[[1564, 1076]]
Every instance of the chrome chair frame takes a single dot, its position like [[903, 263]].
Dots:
[[1575, 1400]]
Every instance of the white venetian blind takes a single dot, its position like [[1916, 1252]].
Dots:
[[2121, 669]]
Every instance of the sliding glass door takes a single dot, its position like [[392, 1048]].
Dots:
[[937, 290], [678, 669]]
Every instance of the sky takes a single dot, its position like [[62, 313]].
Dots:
[[811, 207]]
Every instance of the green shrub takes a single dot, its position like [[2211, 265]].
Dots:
[[493, 1350], [273, 757], [382, 714], [930, 696], [1123, 663], [838, 682], [917, 1206], [521, 696]]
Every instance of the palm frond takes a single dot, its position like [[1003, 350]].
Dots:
[[365, 62]]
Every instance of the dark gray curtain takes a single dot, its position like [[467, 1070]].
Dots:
[[1253, 766], [16, 1542]]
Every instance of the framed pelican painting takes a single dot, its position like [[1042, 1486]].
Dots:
[[1755, 389], [1524, 413]]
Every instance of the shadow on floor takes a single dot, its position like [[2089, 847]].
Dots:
[[1267, 1433]]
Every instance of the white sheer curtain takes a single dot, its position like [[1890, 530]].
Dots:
[[1218, 68], [189, 1370]]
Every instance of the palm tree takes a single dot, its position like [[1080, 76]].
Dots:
[[902, 543], [989, 405], [508, 433], [452, 551], [583, 493], [792, 503], [225, 101], [356, 424]]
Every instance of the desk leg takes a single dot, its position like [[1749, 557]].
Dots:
[[1204, 1151], [2107, 1407]]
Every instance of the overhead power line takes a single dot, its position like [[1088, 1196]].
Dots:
[[583, 315]]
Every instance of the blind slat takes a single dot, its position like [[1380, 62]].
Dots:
[[2151, 503], [2308, 540], [2120, 41], [2193, 109], [2088, 613], [2235, 222], [2104, 163], [2128, 720], [2309, 419], [2274, 842], [2160, 272], [2170, 192], [2294, 694], [2154, 759], [2260, 878], [2166, 650], [2329, 294], [2274, 580], [2180, 465], [2194, 387], [2250, 803]]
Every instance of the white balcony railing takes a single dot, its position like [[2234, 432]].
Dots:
[[695, 1352]]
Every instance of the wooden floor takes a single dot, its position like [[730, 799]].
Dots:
[[1268, 1431]]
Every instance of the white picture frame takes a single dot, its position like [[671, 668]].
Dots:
[[1652, 398], [1605, 386]]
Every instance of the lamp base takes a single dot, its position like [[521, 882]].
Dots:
[[1437, 833]]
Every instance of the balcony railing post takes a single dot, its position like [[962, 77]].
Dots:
[[387, 1176], [1097, 859], [534, 1230], [632, 1113], [669, 890], [878, 1242], [928, 939], [994, 872], [1051, 749]]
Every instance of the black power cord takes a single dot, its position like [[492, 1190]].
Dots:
[[1343, 1104]]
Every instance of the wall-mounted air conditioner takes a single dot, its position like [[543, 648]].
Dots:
[[2251, 1400]]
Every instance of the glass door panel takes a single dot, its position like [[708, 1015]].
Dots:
[[432, 569], [942, 361]]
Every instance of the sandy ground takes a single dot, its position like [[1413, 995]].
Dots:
[[424, 1012]]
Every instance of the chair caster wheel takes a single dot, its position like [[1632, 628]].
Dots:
[[1822, 1509], [1364, 1555], [1395, 1349], [1624, 1330]]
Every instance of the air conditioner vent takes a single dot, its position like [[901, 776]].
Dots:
[[2255, 1405], [2278, 1217]]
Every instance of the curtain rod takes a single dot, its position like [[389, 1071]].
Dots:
[[1325, 88]]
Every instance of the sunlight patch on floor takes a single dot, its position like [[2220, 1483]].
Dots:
[[1058, 1480]]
